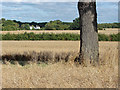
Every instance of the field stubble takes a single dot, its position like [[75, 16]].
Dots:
[[60, 75], [12, 47], [106, 31]]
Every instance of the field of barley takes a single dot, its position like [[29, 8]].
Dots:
[[12, 47], [106, 31], [60, 74]]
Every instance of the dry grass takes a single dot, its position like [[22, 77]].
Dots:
[[42, 31], [33, 57], [107, 31], [63, 75], [0, 75], [12, 47]]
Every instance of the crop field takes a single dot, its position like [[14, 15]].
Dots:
[[60, 74], [109, 31], [106, 31], [12, 47]]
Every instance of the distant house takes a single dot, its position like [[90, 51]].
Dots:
[[37, 27], [31, 27], [34, 27]]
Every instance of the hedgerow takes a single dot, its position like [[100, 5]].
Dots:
[[52, 36], [43, 36]]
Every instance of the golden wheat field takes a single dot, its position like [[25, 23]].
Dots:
[[106, 31], [61, 74], [12, 47]]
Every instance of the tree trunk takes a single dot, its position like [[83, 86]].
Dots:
[[89, 51]]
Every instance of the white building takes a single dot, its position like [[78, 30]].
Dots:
[[31, 27], [37, 27], [34, 27]]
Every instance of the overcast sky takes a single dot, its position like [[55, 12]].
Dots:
[[41, 11], [36, 1]]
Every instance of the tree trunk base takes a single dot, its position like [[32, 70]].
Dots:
[[89, 51]]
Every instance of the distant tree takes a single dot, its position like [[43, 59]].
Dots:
[[3, 20], [25, 27], [56, 25], [9, 25], [75, 25], [34, 23], [49, 26]]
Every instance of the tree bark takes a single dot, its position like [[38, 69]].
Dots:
[[89, 49]]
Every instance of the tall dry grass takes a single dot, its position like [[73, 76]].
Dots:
[[66, 75], [0, 75], [13, 47], [41, 57], [106, 31]]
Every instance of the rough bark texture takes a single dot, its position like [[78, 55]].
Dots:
[[89, 51]]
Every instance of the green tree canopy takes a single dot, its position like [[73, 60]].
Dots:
[[56, 25], [25, 27], [8, 25], [75, 25]]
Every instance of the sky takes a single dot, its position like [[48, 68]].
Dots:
[[37, 1], [43, 11]]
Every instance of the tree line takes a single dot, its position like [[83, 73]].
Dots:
[[13, 25], [52, 36]]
